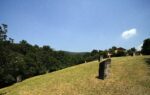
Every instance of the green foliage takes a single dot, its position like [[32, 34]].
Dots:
[[94, 52], [146, 47], [27, 61], [120, 53], [131, 51], [117, 52]]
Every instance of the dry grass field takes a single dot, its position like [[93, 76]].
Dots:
[[129, 76]]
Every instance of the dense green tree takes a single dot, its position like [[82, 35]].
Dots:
[[146, 47], [131, 51], [112, 51], [94, 52]]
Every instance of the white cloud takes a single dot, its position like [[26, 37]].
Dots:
[[139, 47], [129, 33]]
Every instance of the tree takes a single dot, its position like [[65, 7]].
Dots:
[[94, 52], [47, 48], [133, 49], [120, 52], [16, 66], [103, 53], [3, 31], [112, 51], [24, 47], [146, 47]]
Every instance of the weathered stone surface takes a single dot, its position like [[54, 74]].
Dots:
[[104, 69]]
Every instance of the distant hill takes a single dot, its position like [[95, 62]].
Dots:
[[129, 76]]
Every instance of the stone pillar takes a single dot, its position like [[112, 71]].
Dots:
[[133, 53], [19, 78], [101, 58], [104, 69], [109, 55]]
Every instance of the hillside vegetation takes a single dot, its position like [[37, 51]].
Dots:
[[129, 76]]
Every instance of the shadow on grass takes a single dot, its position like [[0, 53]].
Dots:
[[147, 60], [99, 78], [3, 93]]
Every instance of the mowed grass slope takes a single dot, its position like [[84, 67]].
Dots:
[[129, 76]]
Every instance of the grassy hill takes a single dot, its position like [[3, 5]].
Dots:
[[129, 76]]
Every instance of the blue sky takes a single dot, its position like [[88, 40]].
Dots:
[[77, 25]]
